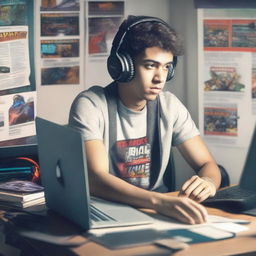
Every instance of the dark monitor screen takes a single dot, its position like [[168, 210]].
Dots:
[[248, 178], [26, 146]]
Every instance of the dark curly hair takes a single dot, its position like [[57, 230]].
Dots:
[[151, 34]]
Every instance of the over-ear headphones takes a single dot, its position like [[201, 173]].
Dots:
[[120, 64]]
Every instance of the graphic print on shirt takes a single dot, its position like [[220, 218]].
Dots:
[[133, 161]]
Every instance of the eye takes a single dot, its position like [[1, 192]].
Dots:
[[150, 65]]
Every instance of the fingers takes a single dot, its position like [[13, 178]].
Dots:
[[202, 195], [183, 216], [197, 189], [189, 211], [183, 209], [196, 211], [188, 183]]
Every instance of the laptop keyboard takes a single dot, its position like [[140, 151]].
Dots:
[[234, 192], [97, 215]]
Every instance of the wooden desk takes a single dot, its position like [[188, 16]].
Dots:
[[242, 243]]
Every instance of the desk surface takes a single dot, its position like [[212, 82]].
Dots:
[[242, 243]]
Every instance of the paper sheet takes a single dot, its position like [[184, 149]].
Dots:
[[165, 223]]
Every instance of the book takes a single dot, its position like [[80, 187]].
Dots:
[[19, 196], [21, 193], [22, 204], [24, 186]]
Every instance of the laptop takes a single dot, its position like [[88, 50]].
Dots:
[[242, 196], [64, 177]]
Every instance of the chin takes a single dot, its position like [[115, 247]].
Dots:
[[151, 97]]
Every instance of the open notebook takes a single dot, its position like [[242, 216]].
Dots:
[[243, 196], [64, 177]]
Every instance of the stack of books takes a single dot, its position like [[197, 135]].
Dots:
[[21, 194]]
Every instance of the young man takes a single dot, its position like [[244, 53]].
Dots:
[[130, 125]]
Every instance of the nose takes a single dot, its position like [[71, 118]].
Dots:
[[160, 75]]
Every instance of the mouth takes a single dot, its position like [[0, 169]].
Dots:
[[155, 90]]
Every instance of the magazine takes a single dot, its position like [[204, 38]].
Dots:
[[21, 186], [21, 193]]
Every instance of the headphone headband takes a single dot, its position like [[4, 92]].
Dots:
[[131, 21], [120, 64]]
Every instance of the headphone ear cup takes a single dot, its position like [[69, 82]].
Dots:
[[171, 70], [170, 74], [121, 67], [128, 70], [114, 66]]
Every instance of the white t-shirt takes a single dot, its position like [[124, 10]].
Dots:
[[89, 115]]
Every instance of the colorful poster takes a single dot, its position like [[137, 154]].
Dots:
[[64, 48], [106, 8], [60, 5], [13, 13], [60, 75], [101, 34], [227, 75], [14, 61], [17, 115], [59, 24], [221, 120], [230, 35]]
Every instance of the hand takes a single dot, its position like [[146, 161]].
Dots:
[[183, 209], [198, 188]]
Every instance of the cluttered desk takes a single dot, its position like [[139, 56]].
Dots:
[[65, 226], [48, 233]]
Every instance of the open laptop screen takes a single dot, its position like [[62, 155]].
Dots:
[[248, 178]]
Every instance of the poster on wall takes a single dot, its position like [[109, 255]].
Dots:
[[59, 24], [106, 8], [226, 79], [64, 48], [226, 75], [14, 61], [13, 13], [60, 41], [104, 19], [17, 114], [17, 78], [60, 5], [101, 34], [230, 34]]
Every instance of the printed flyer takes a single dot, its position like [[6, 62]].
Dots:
[[14, 61]]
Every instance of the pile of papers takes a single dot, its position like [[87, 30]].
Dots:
[[21, 194], [169, 232]]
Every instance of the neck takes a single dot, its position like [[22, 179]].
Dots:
[[129, 99]]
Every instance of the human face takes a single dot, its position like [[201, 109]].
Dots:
[[151, 69]]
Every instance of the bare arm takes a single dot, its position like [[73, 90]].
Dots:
[[208, 180], [105, 185]]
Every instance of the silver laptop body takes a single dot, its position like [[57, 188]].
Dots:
[[64, 177]]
